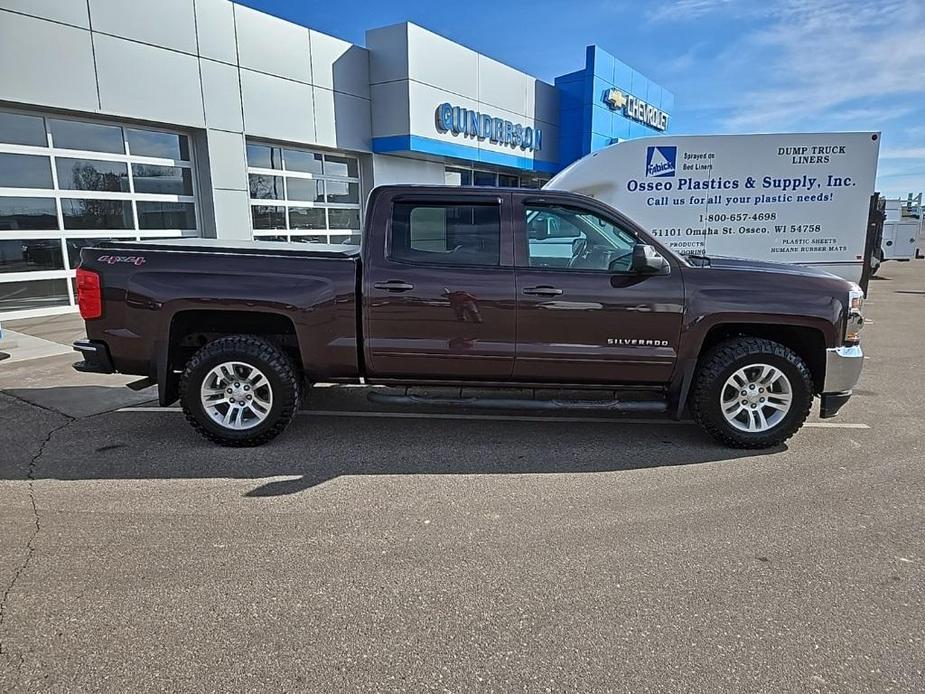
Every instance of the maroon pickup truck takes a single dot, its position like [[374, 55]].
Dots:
[[473, 287]]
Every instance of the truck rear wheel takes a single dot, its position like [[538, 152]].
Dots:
[[239, 390], [751, 392]]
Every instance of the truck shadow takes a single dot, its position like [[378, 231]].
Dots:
[[406, 446], [317, 450]]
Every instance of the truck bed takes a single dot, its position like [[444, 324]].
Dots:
[[265, 248], [153, 288]]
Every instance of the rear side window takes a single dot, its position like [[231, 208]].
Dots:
[[446, 234]]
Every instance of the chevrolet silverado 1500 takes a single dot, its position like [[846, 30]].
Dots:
[[491, 288]]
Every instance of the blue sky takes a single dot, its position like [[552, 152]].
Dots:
[[734, 65]]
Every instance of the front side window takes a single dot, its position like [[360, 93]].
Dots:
[[446, 234], [566, 238]]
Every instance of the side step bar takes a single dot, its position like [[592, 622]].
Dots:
[[647, 406]]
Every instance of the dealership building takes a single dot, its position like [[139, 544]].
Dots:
[[169, 118]]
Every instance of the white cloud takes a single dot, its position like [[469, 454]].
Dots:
[[817, 65], [903, 153], [830, 55], [813, 58], [683, 10]]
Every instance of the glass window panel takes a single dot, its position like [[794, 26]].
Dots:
[[97, 214], [25, 171], [25, 255], [305, 189], [485, 178], [28, 214], [75, 245], [297, 160], [150, 143], [170, 180], [344, 219], [507, 181], [271, 238], [314, 238], [22, 296], [19, 129], [343, 192], [90, 174], [458, 177], [349, 240], [532, 181], [306, 218], [341, 166], [166, 215], [268, 217], [265, 187], [446, 234], [72, 134], [264, 157]]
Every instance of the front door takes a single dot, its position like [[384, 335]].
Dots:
[[582, 315], [439, 295]]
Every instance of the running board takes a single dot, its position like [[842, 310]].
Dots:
[[141, 384], [647, 406]]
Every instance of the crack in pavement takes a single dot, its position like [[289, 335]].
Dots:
[[30, 544], [31, 479]]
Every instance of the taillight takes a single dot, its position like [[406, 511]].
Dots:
[[89, 294]]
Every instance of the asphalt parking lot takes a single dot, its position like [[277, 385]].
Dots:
[[371, 550]]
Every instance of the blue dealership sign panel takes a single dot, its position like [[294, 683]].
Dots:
[[607, 101]]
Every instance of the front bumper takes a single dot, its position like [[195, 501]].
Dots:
[[96, 357], [842, 370]]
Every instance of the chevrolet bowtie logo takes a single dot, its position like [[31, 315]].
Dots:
[[615, 99]]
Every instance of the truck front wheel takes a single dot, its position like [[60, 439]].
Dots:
[[751, 392], [239, 390]]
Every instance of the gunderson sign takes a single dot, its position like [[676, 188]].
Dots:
[[636, 109], [468, 123]]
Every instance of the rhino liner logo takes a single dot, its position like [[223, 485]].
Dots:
[[660, 161]]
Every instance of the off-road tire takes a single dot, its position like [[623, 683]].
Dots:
[[725, 359], [264, 355]]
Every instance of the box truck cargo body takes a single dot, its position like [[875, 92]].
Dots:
[[794, 198]]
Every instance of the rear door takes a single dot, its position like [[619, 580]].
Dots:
[[582, 315], [439, 289]]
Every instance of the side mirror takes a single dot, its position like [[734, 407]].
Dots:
[[647, 261]]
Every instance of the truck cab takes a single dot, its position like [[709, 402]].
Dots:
[[514, 286]]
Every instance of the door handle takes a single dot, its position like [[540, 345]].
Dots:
[[542, 291], [394, 286]]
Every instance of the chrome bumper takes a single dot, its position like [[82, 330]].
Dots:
[[842, 368]]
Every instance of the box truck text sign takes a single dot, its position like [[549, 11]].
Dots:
[[790, 198]]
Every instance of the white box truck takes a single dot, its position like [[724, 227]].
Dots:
[[902, 229], [795, 198]]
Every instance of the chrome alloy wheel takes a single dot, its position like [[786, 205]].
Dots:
[[756, 398], [236, 395]]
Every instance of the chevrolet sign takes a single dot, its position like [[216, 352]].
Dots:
[[636, 108]]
